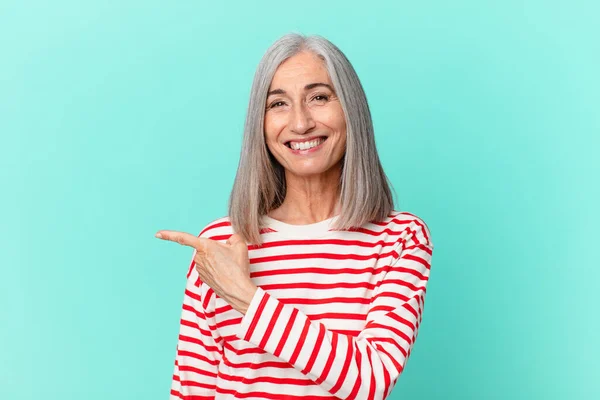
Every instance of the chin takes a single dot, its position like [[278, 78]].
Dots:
[[309, 171]]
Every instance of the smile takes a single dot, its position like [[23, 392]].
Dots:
[[306, 147]]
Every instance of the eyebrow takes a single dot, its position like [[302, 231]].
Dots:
[[307, 87]]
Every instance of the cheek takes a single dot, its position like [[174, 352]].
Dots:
[[335, 118], [269, 131], [272, 126]]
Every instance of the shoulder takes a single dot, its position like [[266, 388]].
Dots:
[[410, 227], [218, 229]]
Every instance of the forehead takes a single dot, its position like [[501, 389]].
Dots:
[[299, 70]]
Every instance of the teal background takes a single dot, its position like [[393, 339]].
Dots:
[[118, 119]]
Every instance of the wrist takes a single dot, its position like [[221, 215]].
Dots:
[[241, 301]]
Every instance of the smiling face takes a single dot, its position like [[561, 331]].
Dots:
[[302, 111]]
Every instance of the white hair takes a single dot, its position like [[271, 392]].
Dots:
[[259, 185]]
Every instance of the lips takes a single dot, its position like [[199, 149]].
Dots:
[[302, 141]]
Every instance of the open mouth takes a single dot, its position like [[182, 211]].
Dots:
[[322, 139]]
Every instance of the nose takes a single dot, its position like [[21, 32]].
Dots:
[[301, 120]]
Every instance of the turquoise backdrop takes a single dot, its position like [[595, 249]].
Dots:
[[120, 118]]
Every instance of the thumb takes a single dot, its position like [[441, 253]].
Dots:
[[239, 246], [235, 240]]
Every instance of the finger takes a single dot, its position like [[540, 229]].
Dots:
[[182, 238]]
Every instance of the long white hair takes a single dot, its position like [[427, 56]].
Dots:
[[259, 185]]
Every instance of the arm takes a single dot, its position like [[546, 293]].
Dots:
[[199, 348], [362, 367]]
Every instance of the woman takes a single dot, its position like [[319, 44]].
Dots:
[[313, 285]]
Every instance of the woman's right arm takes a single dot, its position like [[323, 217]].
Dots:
[[199, 348]]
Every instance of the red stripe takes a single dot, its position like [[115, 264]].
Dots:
[[191, 354], [196, 369], [286, 333], [410, 309], [400, 282], [393, 295], [386, 377], [329, 363], [257, 315], [358, 382], [318, 286], [327, 256], [377, 340], [206, 299], [193, 295], [210, 386], [321, 270], [265, 339], [323, 300], [371, 395], [271, 396], [337, 242], [190, 339], [398, 332], [416, 258], [423, 246], [190, 268], [300, 343], [392, 359], [315, 351], [344, 371], [401, 320]]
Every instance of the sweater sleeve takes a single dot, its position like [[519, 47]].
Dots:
[[199, 347], [366, 366]]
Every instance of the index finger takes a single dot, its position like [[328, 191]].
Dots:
[[182, 238]]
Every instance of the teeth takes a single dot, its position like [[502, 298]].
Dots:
[[306, 145]]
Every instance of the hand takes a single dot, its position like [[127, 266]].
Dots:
[[223, 267]]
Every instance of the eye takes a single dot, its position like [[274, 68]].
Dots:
[[321, 97], [275, 104]]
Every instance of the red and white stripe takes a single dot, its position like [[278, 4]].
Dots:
[[333, 317]]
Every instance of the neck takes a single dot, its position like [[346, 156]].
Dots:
[[310, 199]]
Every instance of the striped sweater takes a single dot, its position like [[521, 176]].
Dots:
[[336, 314]]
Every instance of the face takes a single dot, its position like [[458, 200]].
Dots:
[[302, 111]]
